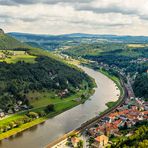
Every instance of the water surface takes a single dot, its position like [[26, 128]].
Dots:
[[40, 135]]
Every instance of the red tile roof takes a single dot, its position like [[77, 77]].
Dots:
[[145, 112], [117, 122]]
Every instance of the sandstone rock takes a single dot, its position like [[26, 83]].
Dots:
[[1, 31]]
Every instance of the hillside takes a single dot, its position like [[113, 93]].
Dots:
[[7, 42], [96, 48], [47, 42], [127, 53], [27, 74]]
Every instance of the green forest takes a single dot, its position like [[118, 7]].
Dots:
[[137, 140], [43, 73]]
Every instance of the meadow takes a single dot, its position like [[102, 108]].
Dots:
[[11, 56]]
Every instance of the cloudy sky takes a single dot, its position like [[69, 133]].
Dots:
[[71, 16]]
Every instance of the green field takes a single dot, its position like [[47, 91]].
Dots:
[[111, 104], [46, 98], [15, 56], [39, 99], [41, 84], [59, 108]]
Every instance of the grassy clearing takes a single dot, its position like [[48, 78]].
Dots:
[[40, 104], [39, 99], [11, 56], [12, 118], [61, 105], [136, 45], [25, 58], [21, 128], [59, 108], [111, 104]]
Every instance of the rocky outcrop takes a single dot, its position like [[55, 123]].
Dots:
[[1, 31]]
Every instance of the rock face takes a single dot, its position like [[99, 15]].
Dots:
[[1, 31]]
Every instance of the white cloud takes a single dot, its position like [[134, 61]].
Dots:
[[56, 17]]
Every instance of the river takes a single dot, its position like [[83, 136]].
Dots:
[[40, 135]]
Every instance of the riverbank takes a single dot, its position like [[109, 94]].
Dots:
[[112, 105], [60, 107], [117, 81], [41, 135], [62, 140]]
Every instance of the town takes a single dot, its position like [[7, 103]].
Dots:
[[131, 112]]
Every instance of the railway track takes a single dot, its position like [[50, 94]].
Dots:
[[94, 120]]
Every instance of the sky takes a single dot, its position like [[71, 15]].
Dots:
[[122, 17]]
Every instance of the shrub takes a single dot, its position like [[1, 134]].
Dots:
[[33, 115], [49, 108]]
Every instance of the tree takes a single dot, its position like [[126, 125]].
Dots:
[[80, 144], [49, 108], [33, 115], [41, 113], [143, 144]]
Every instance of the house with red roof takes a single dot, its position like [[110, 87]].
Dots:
[[100, 141]]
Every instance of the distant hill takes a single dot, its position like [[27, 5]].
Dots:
[[128, 39], [48, 42], [53, 42]]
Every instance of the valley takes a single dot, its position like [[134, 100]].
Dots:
[[56, 81], [73, 74], [35, 86], [54, 127]]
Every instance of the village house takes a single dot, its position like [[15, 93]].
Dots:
[[100, 141], [63, 93], [19, 103], [106, 119], [125, 116], [2, 114], [74, 141], [16, 108]]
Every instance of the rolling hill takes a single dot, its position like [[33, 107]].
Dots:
[[125, 39], [27, 74]]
